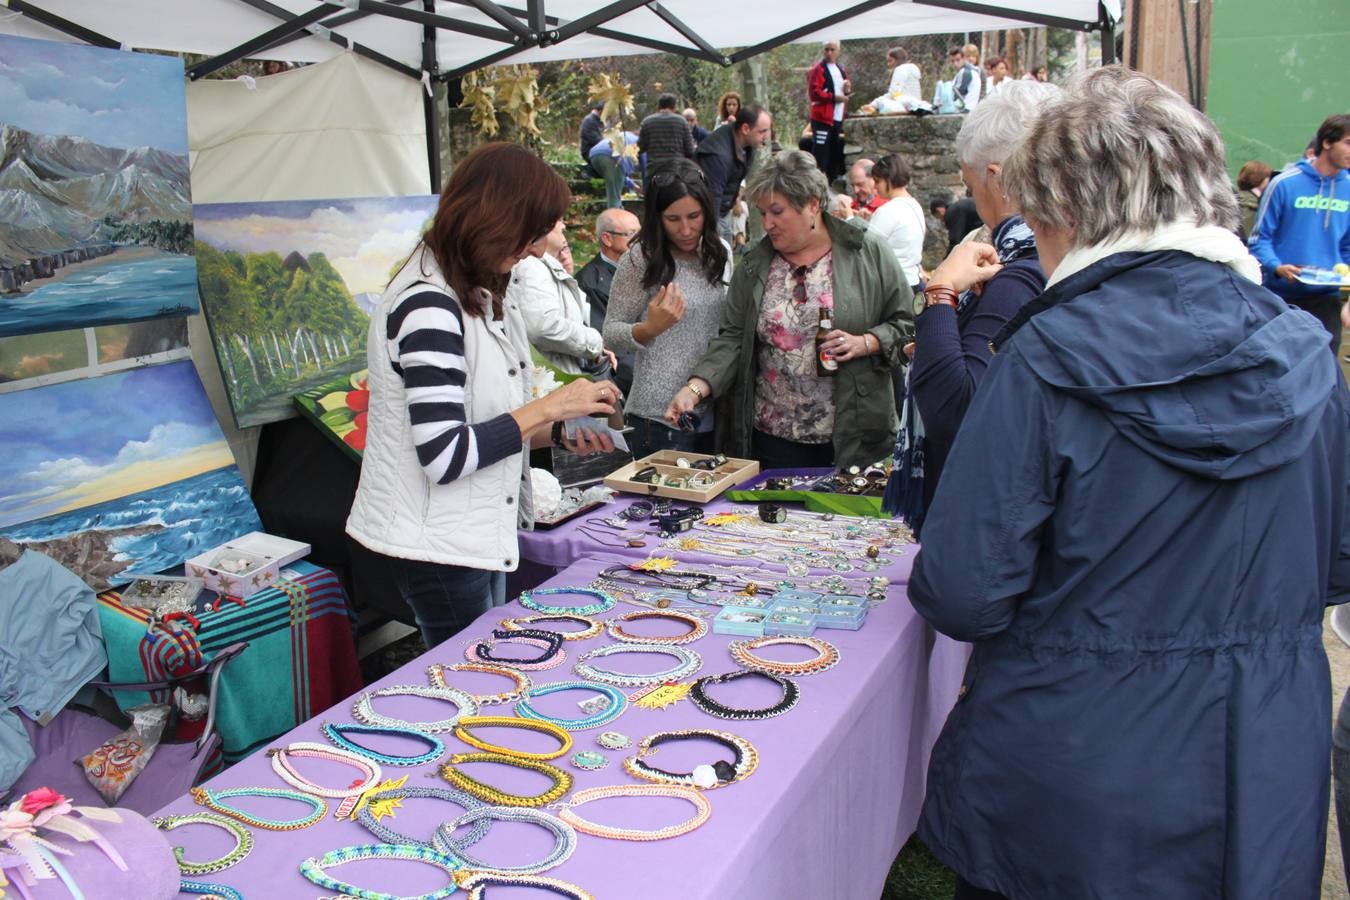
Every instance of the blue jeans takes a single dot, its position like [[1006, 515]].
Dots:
[[610, 170], [445, 599], [649, 435], [779, 453]]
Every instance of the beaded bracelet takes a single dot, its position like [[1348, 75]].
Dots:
[[701, 805], [313, 869], [464, 733], [389, 836], [698, 695], [212, 800], [562, 782], [589, 630], [365, 712], [564, 838], [745, 759], [243, 841], [697, 627], [205, 889], [281, 764], [687, 663], [826, 655], [338, 734], [436, 674], [617, 702], [548, 641], [605, 601], [478, 883]]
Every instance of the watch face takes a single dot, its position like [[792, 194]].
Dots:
[[920, 302]]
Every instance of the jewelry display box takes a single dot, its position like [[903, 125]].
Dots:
[[682, 475], [260, 556]]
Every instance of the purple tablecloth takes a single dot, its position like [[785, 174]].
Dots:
[[837, 792]]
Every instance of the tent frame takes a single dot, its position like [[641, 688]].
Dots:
[[519, 29]]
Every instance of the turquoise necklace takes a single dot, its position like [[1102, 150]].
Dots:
[[606, 602], [617, 702], [214, 800], [313, 869], [338, 735]]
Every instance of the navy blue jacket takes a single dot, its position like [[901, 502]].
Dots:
[[1139, 526], [951, 355]]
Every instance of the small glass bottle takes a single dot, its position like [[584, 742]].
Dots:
[[826, 365]]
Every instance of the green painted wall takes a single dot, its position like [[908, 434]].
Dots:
[[1276, 70]]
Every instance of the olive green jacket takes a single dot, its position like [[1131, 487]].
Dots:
[[870, 294]]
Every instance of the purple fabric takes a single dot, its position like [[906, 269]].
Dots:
[[837, 792], [151, 873]]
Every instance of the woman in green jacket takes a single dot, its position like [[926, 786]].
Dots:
[[808, 267]]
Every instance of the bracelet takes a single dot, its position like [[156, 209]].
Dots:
[[698, 695], [867, 346], [338, 734], [390, 836], [212, 800], [745, 759], [464, 733], [940, 293], [436, 675], [687, 663], [562, 782], [697, 391], [477, 884], [206, 890], [313, 869], [281, 764], [243, 841], [604, 601], [549, 642], [364, 711], [697, 627], [826, 655], [703, 809], [617, 702], [590, 627], [564, 838]]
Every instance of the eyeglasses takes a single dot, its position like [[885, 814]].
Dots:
[[799, 289], [626, 235], [662, 179]]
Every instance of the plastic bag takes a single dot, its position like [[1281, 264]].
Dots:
[[115, 764]]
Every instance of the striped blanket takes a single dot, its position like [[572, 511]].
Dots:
[[300, 661]]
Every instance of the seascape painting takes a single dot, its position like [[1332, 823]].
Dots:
[[121, 475], [95, 207], [288, 289]]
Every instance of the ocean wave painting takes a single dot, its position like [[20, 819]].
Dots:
[[120, 475]]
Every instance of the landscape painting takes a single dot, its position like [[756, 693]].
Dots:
[[122, 475], [288, 289], [95, 209]]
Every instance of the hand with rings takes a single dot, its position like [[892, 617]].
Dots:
[[583, 398], [844, 346]]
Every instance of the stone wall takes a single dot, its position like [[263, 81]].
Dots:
[[928, 143]]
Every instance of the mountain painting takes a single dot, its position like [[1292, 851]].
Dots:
[[95, 209], [288, 289], [122, 475]]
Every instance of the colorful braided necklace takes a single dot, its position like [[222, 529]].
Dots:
[[339, 735], [615, 697], [436, 675], [562, 782], [281, 764], [702, 810], [464, 732], [363, 710], [243, 841], [478, 883], [604, 602], [313, 869], [564, 838], [367, 817], [214, 801]]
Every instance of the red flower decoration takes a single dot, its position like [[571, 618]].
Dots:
[[36, 801], [357, 401]]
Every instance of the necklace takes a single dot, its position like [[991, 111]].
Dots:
[[212, 800], [281, 764], [313, 869], [564, 838], [687, 663], [604, 602], [698, 695], [697, 627], [590, 627], [607, 714], [338, 734], [389, 836], [243, 841], [436, 674], [703, 809], [745, 759], [206, 890], [550, 642], [562, 782], [364, 711], [478, 883], [744, 653], [464, 733]]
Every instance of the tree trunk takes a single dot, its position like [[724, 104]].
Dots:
[[243, 342], [346, 347], [229, 370]]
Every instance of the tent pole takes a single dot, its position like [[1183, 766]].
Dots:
[[1108, 32], [790, 36], [989, 9], [688, 33], [431, 109], [359, 49], [290, 26], [65, 26], [330, 24]]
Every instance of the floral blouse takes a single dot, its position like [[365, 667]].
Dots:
[[791, 401]]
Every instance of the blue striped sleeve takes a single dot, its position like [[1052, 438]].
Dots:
[[425, 331]]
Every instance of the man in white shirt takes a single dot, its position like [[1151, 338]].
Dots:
[[828, 88]]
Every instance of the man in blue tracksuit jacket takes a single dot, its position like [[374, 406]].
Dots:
[[1304, 220]]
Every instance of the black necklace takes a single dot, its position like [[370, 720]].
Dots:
[[698, 695]]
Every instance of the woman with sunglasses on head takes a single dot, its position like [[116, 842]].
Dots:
[[666, 304], [445, 482], [809, 268]]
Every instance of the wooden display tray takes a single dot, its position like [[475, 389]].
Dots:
[[731, 473]]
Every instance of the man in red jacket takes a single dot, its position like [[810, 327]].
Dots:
[[828, 88]]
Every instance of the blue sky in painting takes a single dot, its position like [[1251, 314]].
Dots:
[[62, 437], [111, 97]]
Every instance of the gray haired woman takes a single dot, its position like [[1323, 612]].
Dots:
[[809, 269], [1139, 530]]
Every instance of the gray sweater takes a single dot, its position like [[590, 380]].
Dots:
[[662, 367]]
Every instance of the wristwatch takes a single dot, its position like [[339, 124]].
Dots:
[[934, 294]]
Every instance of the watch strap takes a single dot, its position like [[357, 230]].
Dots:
[[939, 293]]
